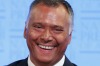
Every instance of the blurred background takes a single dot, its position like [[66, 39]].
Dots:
[[84, 49]]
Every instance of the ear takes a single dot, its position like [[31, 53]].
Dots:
[[25, 32], [69, 38]]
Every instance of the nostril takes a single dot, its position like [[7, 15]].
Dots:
[[46, 40]]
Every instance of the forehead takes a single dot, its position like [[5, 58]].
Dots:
[[42, 12]]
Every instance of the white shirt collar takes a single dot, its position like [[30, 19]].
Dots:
[[30, 62], [60, 63]]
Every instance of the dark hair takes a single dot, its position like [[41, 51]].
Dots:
[[54, 3]]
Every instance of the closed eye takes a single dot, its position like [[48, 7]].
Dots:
[[38, 26], [56, 29]]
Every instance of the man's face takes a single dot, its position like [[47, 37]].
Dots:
[[47, 34]]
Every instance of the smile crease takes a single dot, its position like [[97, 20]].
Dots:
[[46, 47]]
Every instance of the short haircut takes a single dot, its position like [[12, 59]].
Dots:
[[55, 3]]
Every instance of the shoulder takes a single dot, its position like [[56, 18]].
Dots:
[[22, 62], [16, 63], [74, 64], [68, 63]]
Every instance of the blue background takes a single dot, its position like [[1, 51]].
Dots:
[[84, 49]]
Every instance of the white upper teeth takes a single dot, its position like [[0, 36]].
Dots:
[[45, 47]]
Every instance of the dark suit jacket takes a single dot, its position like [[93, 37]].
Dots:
[[24, 63]]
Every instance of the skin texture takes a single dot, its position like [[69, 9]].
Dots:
[[47, 26]]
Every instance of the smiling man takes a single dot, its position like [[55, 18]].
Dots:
[[48, 32]]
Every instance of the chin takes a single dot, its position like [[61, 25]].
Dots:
[[45, 58]]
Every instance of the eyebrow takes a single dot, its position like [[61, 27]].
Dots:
[[36, 23]]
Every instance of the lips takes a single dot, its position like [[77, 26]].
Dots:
[[46, 47]]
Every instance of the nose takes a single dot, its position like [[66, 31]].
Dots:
[[46, 36]]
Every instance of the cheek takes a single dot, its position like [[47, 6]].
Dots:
[[33, 35], [61, 39], [63, 42]]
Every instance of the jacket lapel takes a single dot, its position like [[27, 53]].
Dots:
[[67, 62], [24, 62]]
